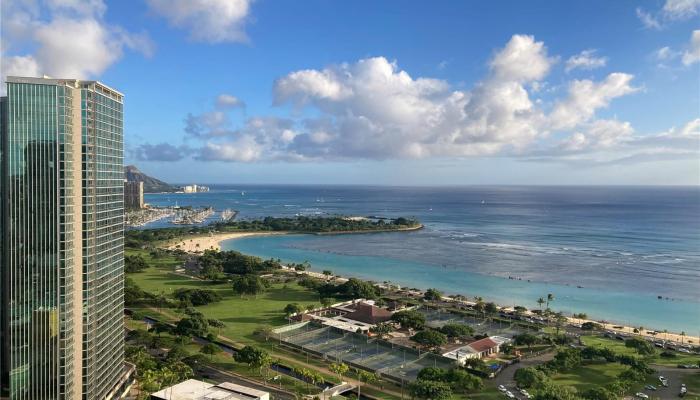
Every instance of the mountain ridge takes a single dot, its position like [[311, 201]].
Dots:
[[150, 184]]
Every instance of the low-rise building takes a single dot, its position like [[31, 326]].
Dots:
[[352, 316], [478, 349], [193, 389]]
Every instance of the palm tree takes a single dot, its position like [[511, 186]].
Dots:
[[682, 336], [339, 369], [550, 298], [316, 378], [368, 378], [540, 301]]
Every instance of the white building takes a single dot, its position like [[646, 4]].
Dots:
[[193, 389], [478, 349]]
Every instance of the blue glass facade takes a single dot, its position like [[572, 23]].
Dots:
[[62, 229]]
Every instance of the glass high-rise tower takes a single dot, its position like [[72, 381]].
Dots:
[[62, 255]]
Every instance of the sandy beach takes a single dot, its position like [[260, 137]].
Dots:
[[197, 244]]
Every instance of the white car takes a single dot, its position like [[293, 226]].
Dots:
[[502, 388], [641, 395], [509, 394]]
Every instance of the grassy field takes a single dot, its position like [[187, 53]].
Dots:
[[618, 346], [242, 316], [586, 376], [692, 381]]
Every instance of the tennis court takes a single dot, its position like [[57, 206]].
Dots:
[[358, 350], [437, 318]]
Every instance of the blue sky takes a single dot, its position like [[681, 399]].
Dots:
[[440, 92]]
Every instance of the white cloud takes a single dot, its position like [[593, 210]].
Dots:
[[372, 109], [70, 40], [648, 20], [243, 150], [681, 9], [20, 65], [69, 48], [224, 101], [213, 21], [522, 60], [692, 55], [586, 59], [665, 54], [302, 86], [585, 97], [600, 134], [608, 142], [672, 11]]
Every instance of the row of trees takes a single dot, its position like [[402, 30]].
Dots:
[[154, 374], [136, 238], [316, 224], [353, 288]]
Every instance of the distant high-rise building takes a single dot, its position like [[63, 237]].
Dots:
[[133, 195], [62, 222]]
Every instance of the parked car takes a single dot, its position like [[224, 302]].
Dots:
[[650, 387], [641, 395], [502, 388]]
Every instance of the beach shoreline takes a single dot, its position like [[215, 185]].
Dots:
[[198, 244], [213, 241]]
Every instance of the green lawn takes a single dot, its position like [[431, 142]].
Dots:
[[586, 376], [692, 381], [618, 346], [242, 316]]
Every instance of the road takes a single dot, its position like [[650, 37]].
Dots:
[[506, 377]]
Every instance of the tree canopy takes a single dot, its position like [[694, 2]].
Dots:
[[196, 297], [456, 330], [248, 284], [409, 319], [430, 338], [432, 294]]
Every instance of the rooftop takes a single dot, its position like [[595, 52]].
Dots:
[[57, 81], [482, 345], [369, 314], [193, 389]]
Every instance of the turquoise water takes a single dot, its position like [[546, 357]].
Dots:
[[624, 245], [620, 306]]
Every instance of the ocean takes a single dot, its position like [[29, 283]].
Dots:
[[610, 252]]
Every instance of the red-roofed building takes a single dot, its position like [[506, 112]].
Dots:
[[478, 349], [485, 345], [369, 314]]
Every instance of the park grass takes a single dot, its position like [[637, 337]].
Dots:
[[242, 316], [692, 382], [618, 346], [588, 375]]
